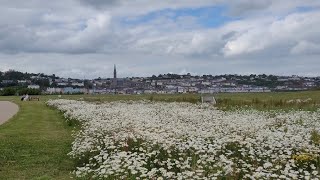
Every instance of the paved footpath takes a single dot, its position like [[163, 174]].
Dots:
[[7, 110]]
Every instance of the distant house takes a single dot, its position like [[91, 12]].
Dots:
[[62, 84], [309, 84], [78, 84], [281, 87], [192, 89], [206, 83], [294, 78], [22, 81], [33, 86], [70, 90], [181, 89], [159, 83], [54, 90], [7, 81]]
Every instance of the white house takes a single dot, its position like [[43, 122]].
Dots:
[[78, 84], [34, 87], [54, 90], [62, 84], [22, 81]]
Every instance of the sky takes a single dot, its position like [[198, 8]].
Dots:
[[85, 38]]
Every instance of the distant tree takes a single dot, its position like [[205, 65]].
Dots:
[[88, 84], [43, 83], [54, 84], [29, 91], [13, 75], [9, 91], [154, 77]]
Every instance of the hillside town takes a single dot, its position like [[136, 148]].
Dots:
[[161, 84]]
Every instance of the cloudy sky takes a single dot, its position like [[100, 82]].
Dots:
[[84, 38]]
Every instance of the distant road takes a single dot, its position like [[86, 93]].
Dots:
[[7, 110]]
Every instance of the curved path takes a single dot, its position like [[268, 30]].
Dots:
[[7, 110]]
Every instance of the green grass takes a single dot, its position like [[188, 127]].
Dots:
[[226, 101], [315, 137], [34, 143], [270, 101]]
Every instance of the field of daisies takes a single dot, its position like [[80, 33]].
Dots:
[[157, 140]]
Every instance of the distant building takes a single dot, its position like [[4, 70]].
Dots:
[[71, 90], [34, 87], [54, 90], [114, 82], [22, 81], [114, 72], [62, 84], [7, 81], [78, 84]]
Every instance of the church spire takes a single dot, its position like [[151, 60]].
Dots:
[[115, 72]]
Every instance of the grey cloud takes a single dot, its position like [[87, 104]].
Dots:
[[305, 47], [248, 8], [236, 8], [84, 40], [141, 7], [243, 7], [100, 4], [228, 35], [101, 65]]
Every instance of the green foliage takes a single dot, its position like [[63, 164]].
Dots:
[[9, 91], [175, 98], [29, 91], [315, 137], [270, 101], [225, 101], [42, 82], [13, 75]]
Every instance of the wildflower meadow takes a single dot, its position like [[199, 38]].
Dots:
[[161, 140]]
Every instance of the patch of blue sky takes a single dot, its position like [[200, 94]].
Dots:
[[209, 17], [305, 9]]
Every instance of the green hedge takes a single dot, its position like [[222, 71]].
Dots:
[[11, 91]]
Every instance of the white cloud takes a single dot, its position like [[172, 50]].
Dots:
[[274, 34], [305, 47], [78, 37], [91, 38]]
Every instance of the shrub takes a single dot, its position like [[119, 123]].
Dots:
[[29, 91], [8, 91]]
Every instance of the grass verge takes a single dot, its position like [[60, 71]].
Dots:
[[304, 100], [34, 143]]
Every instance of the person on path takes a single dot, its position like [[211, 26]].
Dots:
[[22, 97], [26, 98]]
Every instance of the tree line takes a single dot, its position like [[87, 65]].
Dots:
[[12, 91]]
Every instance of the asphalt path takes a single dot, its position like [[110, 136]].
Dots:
[[7, 111]]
